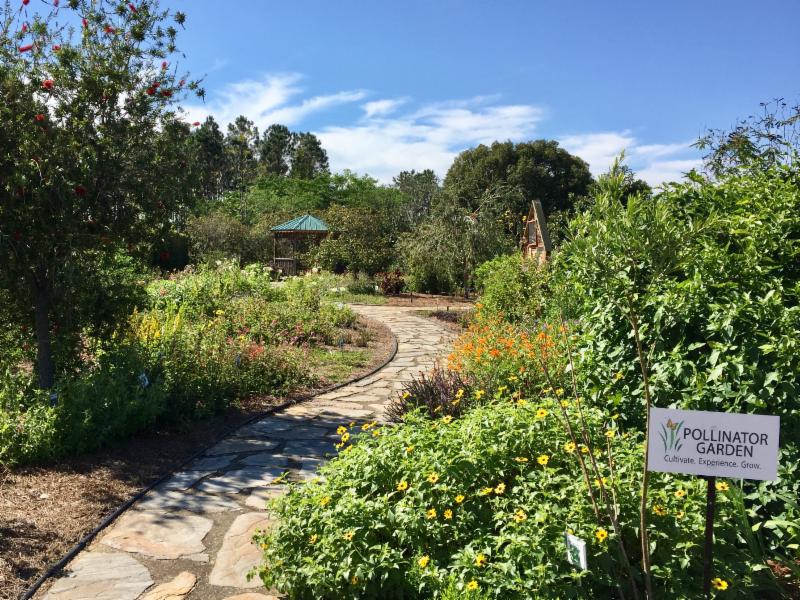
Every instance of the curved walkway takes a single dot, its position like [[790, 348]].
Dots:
[[190, 537]]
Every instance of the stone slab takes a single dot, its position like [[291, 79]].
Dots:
[[102, 576], [171, 501], [177, 589], [159, 535], [237, 446], [234, 482], [238, 554]]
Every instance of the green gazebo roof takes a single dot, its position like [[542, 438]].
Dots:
[[303, 223]]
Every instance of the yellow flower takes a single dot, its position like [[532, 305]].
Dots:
[[264, 545], [423, 561], [447, 419], [602, 480], [313, 539], [479, 394], [433, 478], [345, 437], [542, 459], [520, 515], [459, 498], [481, 560], [501, 487], [354, 579], [722, 486], [521, 402], [680, 514], [460, 394], [541, 413], [338, 446], [472, 585], [349, 536], [456, 402], [565, 404], [521, 459], [601, 535], [560, 392], [719, 584], [341, 430], [610, 433], [485, 491], [402, 486], [618, 376], [431, 514], [325, 501], [659, 510], [376, 433], [406, 395], [219, 313], [680, 493], [448, 514], [409, 449], [366, 426], [569, 447]]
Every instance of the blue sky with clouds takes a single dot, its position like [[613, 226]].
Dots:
[[390, 86]]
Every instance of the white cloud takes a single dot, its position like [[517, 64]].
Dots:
[[655, 163], [267, 101], [382, 107], [428, 138]]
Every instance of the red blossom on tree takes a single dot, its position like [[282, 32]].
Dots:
[[56, 48], [151, 90], [166, 94], [85, 23], [17, 235], [133, 8], [182, 82], [27, 48], [80, 190], [26, 2], [164, 65], [48, 84], [110, 29], [24, 28], [39, 117], [196, 124]]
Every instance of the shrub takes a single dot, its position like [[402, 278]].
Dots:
[[423, 507], [511, 287], [391, 283], [439, 393]]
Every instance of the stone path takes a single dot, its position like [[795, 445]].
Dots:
[[190, 537]]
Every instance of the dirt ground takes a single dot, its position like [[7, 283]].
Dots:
[[428, 300], [46, 510]]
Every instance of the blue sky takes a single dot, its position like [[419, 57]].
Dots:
[[390, 86]]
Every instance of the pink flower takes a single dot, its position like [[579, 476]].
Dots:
[[55, 3], [24, 27], [164, 65], [196, 124], [85, 23], [56, 48], [182, 82]]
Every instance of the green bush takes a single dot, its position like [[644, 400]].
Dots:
[[412, 510], [512, 288]]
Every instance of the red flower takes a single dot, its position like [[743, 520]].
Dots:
[[166, 94], [164, 65], [26, 2], [110, 29], [196, 124], [48, 84], [85, 23], [151, 90], [17, 235], [27, 48], [182, 82], [56, 48], [24, 28], [80, 190], [133, 8], [39, 117], [156, 85], [55, 3]]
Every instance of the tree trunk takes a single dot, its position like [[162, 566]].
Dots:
[[45, 365]]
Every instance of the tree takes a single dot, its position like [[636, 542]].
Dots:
[[211, 158], [421, 188], [515, 174], [309, 158], [277, 147], [81, 156], [241, 150]]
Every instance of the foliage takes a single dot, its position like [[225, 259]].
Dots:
[[410, 510], [422, 189], [391, 283], [440, 393], [92, 157], [511, 288]]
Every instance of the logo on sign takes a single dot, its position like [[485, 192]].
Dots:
[[670, 435]]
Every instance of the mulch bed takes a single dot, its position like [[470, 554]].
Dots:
[[428, 301], [46, 510]]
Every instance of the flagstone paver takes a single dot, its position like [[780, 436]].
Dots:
[[190, 537]]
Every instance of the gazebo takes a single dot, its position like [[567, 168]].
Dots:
[[298, 232]]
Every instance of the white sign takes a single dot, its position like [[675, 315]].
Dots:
[[719, 444], [576, 551]]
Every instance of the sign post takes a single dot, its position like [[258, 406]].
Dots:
[[713, 444]]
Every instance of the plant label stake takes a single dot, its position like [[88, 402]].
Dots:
[[576, 551], [713, 444]]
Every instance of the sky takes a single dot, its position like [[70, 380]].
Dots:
[[400, 85]]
